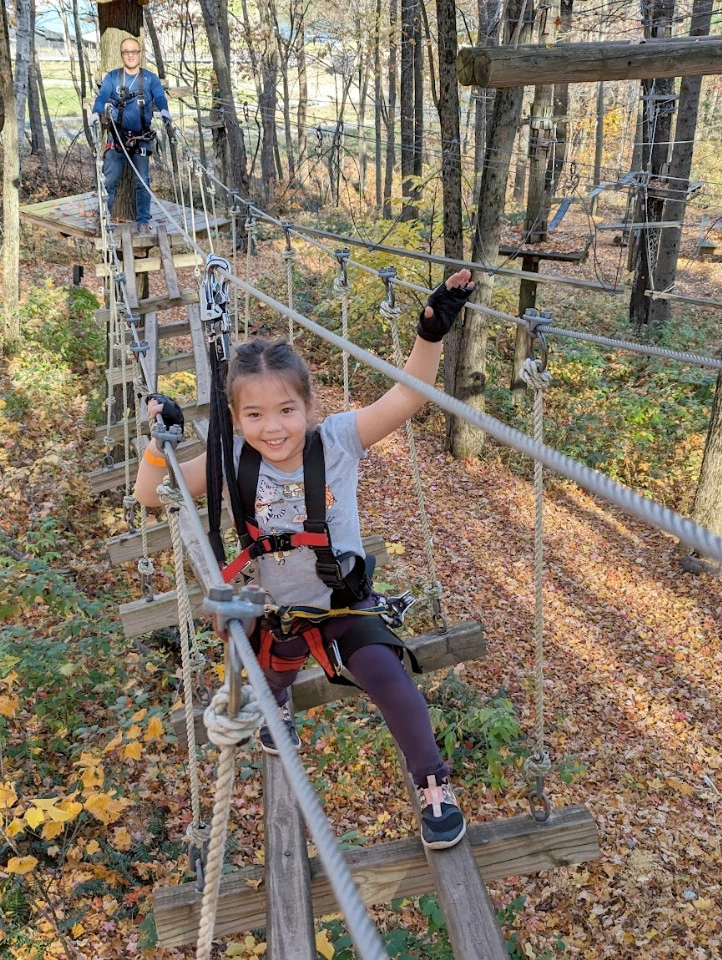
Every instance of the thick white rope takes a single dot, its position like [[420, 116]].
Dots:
[[538, 764], [225, 732], [171, 498]]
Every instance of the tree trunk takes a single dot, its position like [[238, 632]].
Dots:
[[82, 73], [23, 34], [679, 171], [391, 111], [11, 199], [36, 120], [267, 103], [469, 373], [448, 109], [659, 108], [46, 114], [377, 106], [707, 508], [302, 84], [408, 8], [418, 48], [216, 23], [561, 103]]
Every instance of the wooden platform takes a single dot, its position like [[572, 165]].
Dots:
[[77, 216]]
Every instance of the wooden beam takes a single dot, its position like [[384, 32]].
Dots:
[[509, 66], [663, 295], [166, 258], [108, 478], [151, 264], [173, 364], [126, 243], [154, 305], [470, 917], [289, 904], [387, 871], [200, 353]]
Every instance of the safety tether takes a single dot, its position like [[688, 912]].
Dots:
[[538, 765], [391, 311]]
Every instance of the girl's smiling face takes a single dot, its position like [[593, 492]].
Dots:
[[273, 418]]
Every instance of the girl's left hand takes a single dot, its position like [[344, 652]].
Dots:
[[444, 306]]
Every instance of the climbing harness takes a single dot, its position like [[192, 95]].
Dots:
[[534, 373]]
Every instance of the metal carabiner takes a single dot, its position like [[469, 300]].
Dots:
[[342, 258], [535, 324], [388, 274]]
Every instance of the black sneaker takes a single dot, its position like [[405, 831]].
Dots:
[[442, 822], [264, 734]]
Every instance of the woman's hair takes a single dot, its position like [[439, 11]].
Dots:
[[259, 356]]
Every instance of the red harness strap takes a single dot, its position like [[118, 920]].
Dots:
[[311, 634], [271, 543]]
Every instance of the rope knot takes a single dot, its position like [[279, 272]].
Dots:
[[168, 494], [226, 731], [145, 567], [389, 311], [198, 835], [537, 765], [533, 375], [340, 287], [289, 254]]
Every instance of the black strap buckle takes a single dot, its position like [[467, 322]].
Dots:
[[272, 543]]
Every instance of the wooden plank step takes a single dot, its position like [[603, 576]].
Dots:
[[200, 352], [154, 304], [129, 266], [289, 903], [387, 871], [166, 258], [434, 651], [181, 261], [108, 478], [139, 616], [191, 411], [470, 917], [172, 364]]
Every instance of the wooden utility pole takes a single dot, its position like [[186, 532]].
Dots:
[[502, 67], [9, 311]]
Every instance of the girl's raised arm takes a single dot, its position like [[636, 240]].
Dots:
[[396, 406], [152, 467]]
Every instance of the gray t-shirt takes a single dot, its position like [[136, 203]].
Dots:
[[290, 577]]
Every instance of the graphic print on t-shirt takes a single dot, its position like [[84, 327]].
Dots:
[[283, 503]]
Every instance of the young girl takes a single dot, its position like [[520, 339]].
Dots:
[[269, 394]]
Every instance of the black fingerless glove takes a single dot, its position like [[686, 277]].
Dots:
[[447, 305], [171, 413]]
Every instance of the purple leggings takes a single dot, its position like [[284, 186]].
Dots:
[[379, 672]]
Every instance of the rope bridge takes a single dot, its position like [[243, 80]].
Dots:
[[295, 890]]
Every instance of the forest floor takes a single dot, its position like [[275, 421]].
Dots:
[[632, 695]]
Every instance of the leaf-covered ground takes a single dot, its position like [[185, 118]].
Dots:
[[632, 703]]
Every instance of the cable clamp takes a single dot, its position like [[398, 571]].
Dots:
[[536, 323], [225, 608], [139, 348], [172, 435]]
